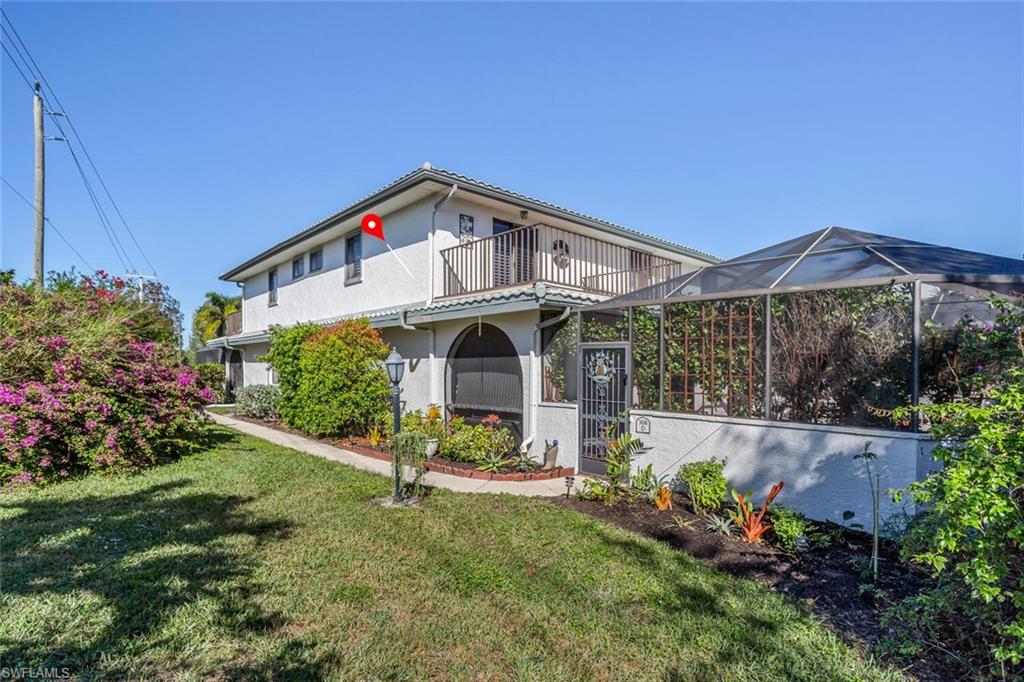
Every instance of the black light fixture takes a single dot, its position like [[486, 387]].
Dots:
[[569, 480], [395, 365]]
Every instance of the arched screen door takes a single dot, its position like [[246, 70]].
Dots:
[[485, 377]]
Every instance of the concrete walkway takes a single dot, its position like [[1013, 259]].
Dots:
[[551, 488]]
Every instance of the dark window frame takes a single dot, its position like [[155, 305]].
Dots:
[[298, 264], [354, 258], [320, 266], [272, 287]]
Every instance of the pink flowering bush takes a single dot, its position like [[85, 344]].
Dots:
[[88, 381]]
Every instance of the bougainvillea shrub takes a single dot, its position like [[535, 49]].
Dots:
[[87, 382]]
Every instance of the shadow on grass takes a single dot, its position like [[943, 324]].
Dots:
[[143, 555], [745, 637]]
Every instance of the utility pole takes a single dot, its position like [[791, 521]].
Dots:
[[37, 110]]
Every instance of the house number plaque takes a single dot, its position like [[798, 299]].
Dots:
[[642, 425]]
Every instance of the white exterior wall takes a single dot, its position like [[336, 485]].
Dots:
[[321, 295], [254, 371], [415, 348], [822, 478], [559, 421], [816, 463]]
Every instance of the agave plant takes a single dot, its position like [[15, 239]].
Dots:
[[522, 460], [492, 462], [722, 525]]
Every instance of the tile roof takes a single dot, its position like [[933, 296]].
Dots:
[[427, 172]]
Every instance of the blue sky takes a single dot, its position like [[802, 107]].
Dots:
[[221, 128]]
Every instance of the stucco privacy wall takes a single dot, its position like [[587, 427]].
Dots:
[[822, 478], [254, 371], [558, 421], [321, 295]]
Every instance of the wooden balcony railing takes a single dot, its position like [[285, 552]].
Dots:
[[233, 324], [542, 253]]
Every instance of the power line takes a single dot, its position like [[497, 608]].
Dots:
[[112, 237], [15, 62], [81, 143], [50, 223], [108, 228]]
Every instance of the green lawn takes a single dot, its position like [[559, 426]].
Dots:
[[253, 561]]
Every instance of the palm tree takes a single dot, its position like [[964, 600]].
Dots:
[[210, 318]]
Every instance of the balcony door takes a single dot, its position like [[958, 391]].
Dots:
[[514, 248]]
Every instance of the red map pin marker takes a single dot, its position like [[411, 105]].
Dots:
[[373, 226]]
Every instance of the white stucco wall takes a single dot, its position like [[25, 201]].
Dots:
[[415, 348], [254, 371], [822, 478], [558, 421], [316, 296]]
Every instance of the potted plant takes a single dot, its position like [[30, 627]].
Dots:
[[550, 454]]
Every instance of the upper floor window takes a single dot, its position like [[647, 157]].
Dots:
[[354, 258], [298, 268], [316, 261], [272, 286]]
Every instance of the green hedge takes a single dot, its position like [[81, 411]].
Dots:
[[331, 379]]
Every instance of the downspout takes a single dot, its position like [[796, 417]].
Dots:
[[430, 243], [535, 385], [404, 324]]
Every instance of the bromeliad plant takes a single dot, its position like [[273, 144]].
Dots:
[[653, 488], [752, 524]]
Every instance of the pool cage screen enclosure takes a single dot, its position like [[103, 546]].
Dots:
[[836, 327]]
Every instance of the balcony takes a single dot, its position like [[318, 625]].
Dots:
[[542, 253], [233, 324]]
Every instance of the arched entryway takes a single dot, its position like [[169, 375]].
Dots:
[[484, 376]]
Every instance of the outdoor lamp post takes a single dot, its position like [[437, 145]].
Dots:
[[395, 366]]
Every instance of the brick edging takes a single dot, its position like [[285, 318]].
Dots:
[[542, 475]]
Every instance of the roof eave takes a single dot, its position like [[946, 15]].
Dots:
[[472, 186]]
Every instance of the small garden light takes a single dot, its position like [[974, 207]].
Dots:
[[395, 365], [569, 480]]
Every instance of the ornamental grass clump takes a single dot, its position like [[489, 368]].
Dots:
[[90, 380]]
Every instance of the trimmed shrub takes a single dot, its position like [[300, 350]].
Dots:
[[286, 345], [342, 386], [86, 382], [787, 526], [211, 376], [465, 443], [259, 402], [705, 484]]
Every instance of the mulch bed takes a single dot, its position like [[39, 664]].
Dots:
[[362, 446], [826, 580]]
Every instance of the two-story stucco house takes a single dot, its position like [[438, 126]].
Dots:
[[469, 285]]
